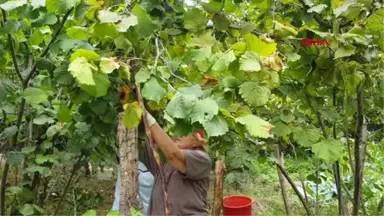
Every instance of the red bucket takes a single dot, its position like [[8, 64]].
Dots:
[[237, 205]]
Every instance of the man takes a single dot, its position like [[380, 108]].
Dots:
[[186, 173]]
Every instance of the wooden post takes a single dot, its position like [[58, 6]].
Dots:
[[218, 194], [129, 154]]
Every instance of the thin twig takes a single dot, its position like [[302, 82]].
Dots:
[[158, 53], [305, 204], [74, 170], [169, 84], [53, 185], [170, 70], [12, 48]]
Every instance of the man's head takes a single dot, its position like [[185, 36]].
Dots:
[[192, 141]]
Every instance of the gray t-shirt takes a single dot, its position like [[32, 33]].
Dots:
[[187, 193]]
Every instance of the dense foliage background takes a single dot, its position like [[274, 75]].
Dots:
[[236, 69]]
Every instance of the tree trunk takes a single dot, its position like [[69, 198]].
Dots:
[[283, 183], [360, 150], [218, 194], [129, 153]]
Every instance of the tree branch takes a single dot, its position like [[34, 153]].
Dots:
[[57, 33], [153, 148], [380, 206], [305, 204], [12, 48]]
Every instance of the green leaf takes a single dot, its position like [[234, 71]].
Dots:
[[317, 9], [113, 213], [52, 131], [124, 72], [27, 209], [152, 90], [306, 137], [286, 116], [328, 150], [62, 6], [343, 8], [255, 126], [101, 86], [28, 150], [35, 95], [10, 131], [201, 54], [105, 31], [99, 107], [122, 42], [78, 32], [247, 27], [283, 31], [180, 106], [11, 26], [108, 65], [3, 93], [142, 76], [15, 190], [13, 4], [127, 22], [14, 158], [64, 114], [231, 82], [106, 16], [172, 31], [132, 115], [352, 80], [195, 20], [81, 69], [109, 116], [87, 54], [47, 19], [40, 159], [281, 129], [204, 110], [164, 71], [345, 51], [192, 92], [256, 45], [43, 119], [250, 61], [223, 62], [145, 26], [213, 6], [221, 22], [82, 126], [216, 127], [254, 94], [45, 171], [37, 3], [90, 213]]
